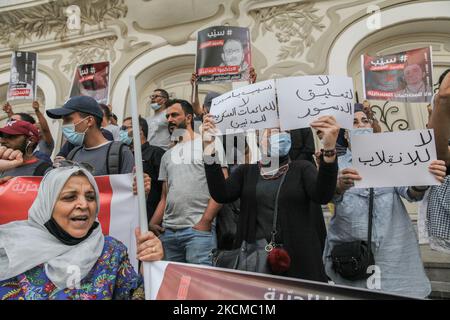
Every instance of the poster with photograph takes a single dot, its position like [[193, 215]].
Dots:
[[223, 54], [92, 80], [402, 77], [22, 81]]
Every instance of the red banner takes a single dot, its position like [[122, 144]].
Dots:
[[181, 281]]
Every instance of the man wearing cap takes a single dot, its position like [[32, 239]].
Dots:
[[82, 118], [21, 137]]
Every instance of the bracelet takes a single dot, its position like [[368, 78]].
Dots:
[[329, 153], [414, 188]]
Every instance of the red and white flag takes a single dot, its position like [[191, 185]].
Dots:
[[118, 216], [182, 281]]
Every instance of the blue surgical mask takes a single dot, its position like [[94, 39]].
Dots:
[[155, 106], [124, 137], [280, 144], [76, 138], [359, 131]]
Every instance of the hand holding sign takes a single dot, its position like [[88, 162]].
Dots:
[[395, 159], [438, 169], [346, 179], [330, 129]]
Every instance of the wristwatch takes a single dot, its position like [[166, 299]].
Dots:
[[329, 153]]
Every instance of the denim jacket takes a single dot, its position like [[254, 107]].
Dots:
[[394, 240]]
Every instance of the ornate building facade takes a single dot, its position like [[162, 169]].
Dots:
[[155, 40]]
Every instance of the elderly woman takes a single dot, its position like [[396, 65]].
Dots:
[[398, 265], [300, 228], [60, 252]]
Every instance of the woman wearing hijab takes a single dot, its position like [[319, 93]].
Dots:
[[398, 265], [60, 253], [300, 227]]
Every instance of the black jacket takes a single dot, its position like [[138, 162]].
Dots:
[[301, 224], [151, 157]]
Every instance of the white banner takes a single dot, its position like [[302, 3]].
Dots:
[[394, 159], [249, 107], [302, 100]]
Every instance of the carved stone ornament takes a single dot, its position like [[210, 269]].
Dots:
[[292, 24], [101, 49], [50, 19], [383, 113]]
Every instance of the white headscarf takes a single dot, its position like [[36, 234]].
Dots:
[[27, 244]]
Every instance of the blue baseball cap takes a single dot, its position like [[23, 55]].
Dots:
[[82, 104]]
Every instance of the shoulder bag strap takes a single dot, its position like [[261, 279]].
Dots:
[[271, 245], [369, 232]]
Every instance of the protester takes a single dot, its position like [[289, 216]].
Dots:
[[106, 122], [300, 225], [113, 119], [68, 146], [186, 209], [22, 136], [82, 119], [64, 255], [394, 245], [46, 143], [158, 135], [438, 201], [151, 157]]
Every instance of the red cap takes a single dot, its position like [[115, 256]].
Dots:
[[21, 127]]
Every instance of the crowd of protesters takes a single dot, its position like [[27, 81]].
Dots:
[[202, 203]]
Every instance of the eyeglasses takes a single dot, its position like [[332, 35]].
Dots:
[[126, 127], [154, 96], [73, 164]]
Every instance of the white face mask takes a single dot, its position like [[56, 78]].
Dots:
[[155, 106], [74, 137], [359, 131]]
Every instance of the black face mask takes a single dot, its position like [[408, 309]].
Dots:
[[60, 234]]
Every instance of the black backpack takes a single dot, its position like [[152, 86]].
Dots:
[[113, 157], [40, 170]]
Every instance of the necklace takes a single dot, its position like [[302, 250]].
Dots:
[[278, 172]]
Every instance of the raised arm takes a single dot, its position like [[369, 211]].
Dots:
[[440, 120], [222, 190], [8, 109], [195, 99], [322, 185], [46, 134]]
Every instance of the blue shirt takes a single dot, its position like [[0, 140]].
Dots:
[[394, 240]]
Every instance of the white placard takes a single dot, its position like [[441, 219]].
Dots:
[[250, 107], [394, 159], [302, 100]]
